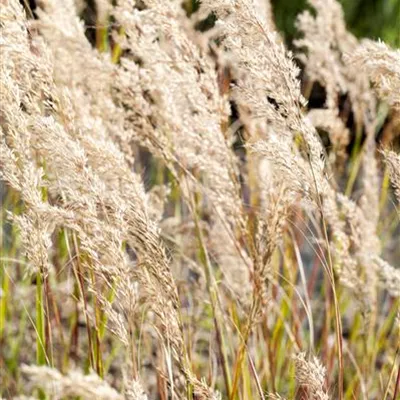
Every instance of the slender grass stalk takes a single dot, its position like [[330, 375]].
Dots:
[[4, 299], [80, 282], [96, 331], [392, 372], [40, 322], [212, 291], [41, 356], [117, 50], [338, 322], [384, 189], [397, 384]]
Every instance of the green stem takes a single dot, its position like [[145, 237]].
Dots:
[[40, 327]]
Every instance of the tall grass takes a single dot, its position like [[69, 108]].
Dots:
[[191, 211]]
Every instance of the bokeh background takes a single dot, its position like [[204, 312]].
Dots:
[[377, 19]]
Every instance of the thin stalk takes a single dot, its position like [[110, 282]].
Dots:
[[384, 189], [241, 352], [336, 306], [41, 356], [117, 50], [258, 383], [40, 324], [102, 42], [96, 333], [213, 297], [250, 321], [397, 386], [79, 279], [338, 322], [5, 284], [48, 330], [392, 372]]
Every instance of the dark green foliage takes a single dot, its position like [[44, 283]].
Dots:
[[376, 19]]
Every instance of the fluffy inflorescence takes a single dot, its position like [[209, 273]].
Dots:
[[105, 208], [74, 384], [383, 67], [393, 162], [310, 374], [186, 217]]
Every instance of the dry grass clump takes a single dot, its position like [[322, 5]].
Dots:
[[179, 222], [73, 384]]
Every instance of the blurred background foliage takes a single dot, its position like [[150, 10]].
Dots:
[[376, 19]]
